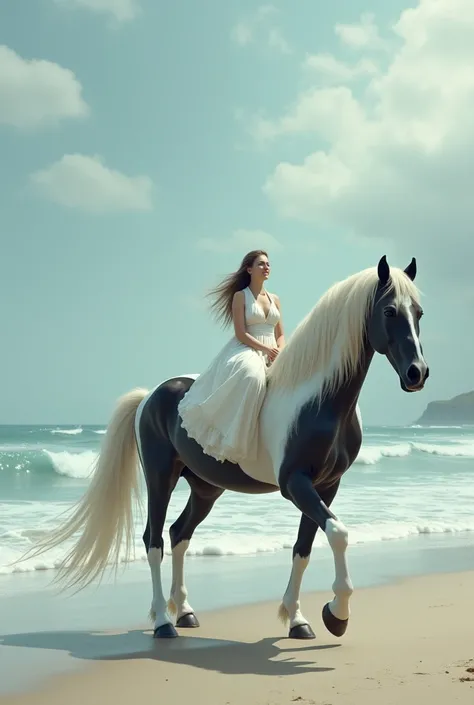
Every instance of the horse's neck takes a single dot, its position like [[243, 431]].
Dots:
[[282, 406], [347, 396]]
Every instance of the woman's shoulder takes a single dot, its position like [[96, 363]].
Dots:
[[238, 299], [239, 295], [274, 297]]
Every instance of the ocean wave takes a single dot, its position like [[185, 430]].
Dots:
[[78, 464], [370, 455], [226, 545], [75, 465], [404, 483], [66, 431], [459, 450], [41, 461], [425, 428]]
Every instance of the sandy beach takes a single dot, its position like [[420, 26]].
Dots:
[[409, 640]]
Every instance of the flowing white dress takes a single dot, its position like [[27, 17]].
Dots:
[[220, 410]]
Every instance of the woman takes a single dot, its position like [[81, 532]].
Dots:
[[220, 410]]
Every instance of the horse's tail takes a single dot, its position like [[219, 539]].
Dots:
[[104, 515]]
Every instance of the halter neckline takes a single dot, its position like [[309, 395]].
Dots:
[[259, 304]]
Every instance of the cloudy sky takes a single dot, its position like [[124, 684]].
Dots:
[[147, 145]]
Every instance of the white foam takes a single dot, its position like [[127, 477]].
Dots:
[[67, 431], [419, 484], [75, 465], [417, 425], [369, 455], [377, 510], [372, 454], [460, 450], [235, 544]]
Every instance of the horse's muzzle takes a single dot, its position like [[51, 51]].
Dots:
[[415, 377]]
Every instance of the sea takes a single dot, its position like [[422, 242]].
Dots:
[[407, 481]]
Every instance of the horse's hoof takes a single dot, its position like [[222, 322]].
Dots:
[[336, 626], [301, 631], [166, 631], [188, 621]]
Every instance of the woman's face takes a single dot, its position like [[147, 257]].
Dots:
[[260, 268]]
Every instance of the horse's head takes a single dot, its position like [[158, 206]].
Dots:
[[394, 327]]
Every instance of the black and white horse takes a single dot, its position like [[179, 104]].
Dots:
[[310, 433]]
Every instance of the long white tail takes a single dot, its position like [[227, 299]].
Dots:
[[104, 515]]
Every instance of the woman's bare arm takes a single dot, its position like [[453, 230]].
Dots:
[[279, 332]]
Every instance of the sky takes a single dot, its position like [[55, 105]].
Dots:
[[147, 145]]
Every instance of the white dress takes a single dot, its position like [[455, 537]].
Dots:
[[220, 410]]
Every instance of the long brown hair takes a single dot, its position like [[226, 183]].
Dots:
[[224, 292]]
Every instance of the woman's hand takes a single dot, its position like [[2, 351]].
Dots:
[[272, 353]]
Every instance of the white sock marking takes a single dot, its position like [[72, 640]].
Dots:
[[338, 539], [158, 612], [291, 598], [179, 591]]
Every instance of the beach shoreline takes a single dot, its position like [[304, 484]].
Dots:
[[46, 638], [407, 640]]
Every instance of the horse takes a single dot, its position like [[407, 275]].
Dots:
[[310, 433]]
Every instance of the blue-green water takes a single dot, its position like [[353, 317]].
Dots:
[[406, 481]]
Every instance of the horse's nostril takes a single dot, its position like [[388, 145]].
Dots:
[[414, 374]]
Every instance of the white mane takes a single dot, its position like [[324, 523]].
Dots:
[[329, 339]]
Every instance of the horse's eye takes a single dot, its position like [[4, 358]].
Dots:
[[390, 312]]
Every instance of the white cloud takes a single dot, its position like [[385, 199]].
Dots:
[[361, 35], [242, 34], [395, 162], [119, 10], [240, 240], [83, 182], [259, 29], [332, 70], [277, 41], [36, 93], [329, 112]]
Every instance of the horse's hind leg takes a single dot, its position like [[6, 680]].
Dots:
[[200, 503], [161, 473]]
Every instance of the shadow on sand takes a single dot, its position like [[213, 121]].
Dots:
[[222, 656]]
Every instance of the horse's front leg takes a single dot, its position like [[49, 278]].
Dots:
[[289, 611], [299, 488]]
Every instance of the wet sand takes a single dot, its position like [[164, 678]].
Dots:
[[406, 641]]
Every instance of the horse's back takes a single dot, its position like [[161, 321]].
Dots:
[[160, 422]]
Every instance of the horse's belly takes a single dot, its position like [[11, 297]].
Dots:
[[261, 469]]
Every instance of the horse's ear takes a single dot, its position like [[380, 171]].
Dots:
[[410, 271], [383, 271]]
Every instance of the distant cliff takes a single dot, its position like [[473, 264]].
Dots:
[[449, 412]]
